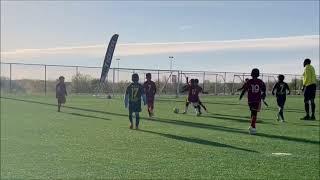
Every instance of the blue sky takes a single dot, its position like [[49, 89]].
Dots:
[[43, 25]]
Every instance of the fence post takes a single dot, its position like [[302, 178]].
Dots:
[[158, 82], [224, 84], [178, 85], [295, 85], [113, 78], [215, 85], [45, 80], [10, 90], [204, 76]]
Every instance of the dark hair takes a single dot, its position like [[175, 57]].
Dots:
[[148, 75], [135, 77], [196, 80], [306, 62], [255, 72], [192, 81], [281, 77], [61, 77]]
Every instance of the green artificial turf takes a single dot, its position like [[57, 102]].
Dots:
[[91, 138]]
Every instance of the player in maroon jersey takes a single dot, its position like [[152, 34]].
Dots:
[[256, 92], [150, 89], [193, 97]]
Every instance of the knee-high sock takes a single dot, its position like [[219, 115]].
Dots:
[[203, 106], [253, 119], [137, 119], [306, 107], [313, 107], [130, 117], [186, 108], [281, 113]]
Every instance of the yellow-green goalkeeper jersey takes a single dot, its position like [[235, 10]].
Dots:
[[309, 75]]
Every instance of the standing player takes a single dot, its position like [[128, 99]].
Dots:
[[133, 96], [61, 92], [309, 88], [150, 89], [184, 89], [256, 92], [196, 81], [281, 89]]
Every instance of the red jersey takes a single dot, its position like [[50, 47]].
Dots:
[[194, 93], [150, 89], [255, 88]]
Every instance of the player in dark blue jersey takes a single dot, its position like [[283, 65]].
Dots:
[[281, 89], [133, 96]]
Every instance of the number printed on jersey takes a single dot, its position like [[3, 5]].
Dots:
[[134, 91], [255, 88]]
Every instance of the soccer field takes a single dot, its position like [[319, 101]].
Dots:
[[90, 139]]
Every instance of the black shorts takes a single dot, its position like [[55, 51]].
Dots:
[[255, 106], [310, 92], [134, 106], [61, 99], [281, 100]]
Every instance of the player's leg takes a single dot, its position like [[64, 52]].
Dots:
[[313, 105], [283, 101], [306, 104], [152, 107], [313, 109], [252, 129], [137, 119], [130, 117], [59, 104], [186, 106], [254, 108], [203, 106]]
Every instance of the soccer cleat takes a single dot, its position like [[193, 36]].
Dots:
[[131, 126], [252, 130], [137, 127], [185, 112], [305, 118], [313, 118]]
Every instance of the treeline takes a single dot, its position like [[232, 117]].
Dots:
[[86, 84]]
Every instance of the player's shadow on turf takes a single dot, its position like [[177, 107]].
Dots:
[[236, 104], [184, 123], [232, 118], [88, 116], [198, 141]]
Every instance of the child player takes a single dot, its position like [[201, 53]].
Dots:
[[61, 92], [256, 92], [184, 89], [150, 89], [193, 96], [281, 89], [134, 93], [196, 81]]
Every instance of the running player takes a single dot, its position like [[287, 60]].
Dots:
[[256, 92], [281, 89], [150, 89]]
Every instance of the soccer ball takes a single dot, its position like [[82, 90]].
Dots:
[[176, 110]]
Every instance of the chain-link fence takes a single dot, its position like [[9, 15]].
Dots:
[[42, 78]]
